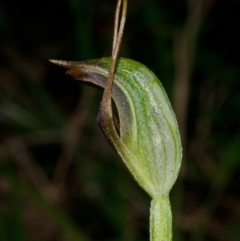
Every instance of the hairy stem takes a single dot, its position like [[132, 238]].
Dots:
[[160, 219]]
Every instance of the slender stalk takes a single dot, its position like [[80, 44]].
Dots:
[[105, 116], [116, 25], [160, 219], [106, 107]]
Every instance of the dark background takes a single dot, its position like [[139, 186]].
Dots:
[[59, 178]]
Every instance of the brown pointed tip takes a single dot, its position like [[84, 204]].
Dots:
[[63, 63]]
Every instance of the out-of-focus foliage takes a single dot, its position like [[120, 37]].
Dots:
[[59, 178]]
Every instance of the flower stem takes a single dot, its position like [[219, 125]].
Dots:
[[160, 219]]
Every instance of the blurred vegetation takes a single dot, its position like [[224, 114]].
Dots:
[[59, 178]]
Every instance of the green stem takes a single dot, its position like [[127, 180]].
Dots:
[[160, 219]]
